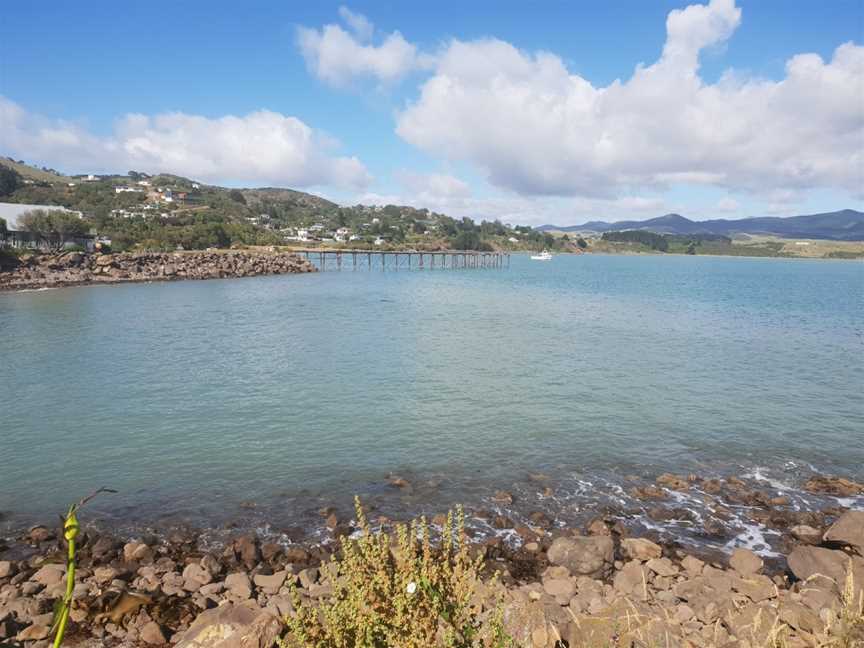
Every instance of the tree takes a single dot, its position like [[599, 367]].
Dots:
[[53, 226], [237, 196], [9, 180], [582, 243], [3, 226]]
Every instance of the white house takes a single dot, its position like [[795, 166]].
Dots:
[[127, 189], [144, 183], [379, 241], [513, 239]]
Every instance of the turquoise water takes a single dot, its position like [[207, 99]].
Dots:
[[253, 401]]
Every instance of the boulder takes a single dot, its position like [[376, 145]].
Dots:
[[848, 530], [837, 486], [583, 556], [806, 561], [152, 634], [7, 569], [49, 575], [232, 626], [673, 482], [239, 585], [640, 549], [745, 562], [806, 534], [137, 552]]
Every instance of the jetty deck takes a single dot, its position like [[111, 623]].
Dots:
[[405, 259]]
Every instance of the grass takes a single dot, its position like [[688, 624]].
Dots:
[[410, 594]]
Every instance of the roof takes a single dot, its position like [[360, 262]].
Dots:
[[11, 211]]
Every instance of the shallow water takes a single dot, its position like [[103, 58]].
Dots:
[[263, 399]]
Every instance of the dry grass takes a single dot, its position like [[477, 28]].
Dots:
[[411, 595]]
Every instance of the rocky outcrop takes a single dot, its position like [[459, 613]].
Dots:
[[77, 268]]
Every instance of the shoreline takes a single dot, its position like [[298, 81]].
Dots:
[[69, 269], [556, 582]]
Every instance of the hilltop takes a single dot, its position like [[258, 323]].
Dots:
[[843, 225], [165, 211]]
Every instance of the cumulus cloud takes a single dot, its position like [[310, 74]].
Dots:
[[263, 147], [535, 128], [727, 204], [338, 56], [445, 193]]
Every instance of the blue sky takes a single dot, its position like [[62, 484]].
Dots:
[[489, 109]]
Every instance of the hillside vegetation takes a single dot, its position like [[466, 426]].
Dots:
[[164, 212]]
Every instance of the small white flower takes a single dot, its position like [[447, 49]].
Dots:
[[411, 588]]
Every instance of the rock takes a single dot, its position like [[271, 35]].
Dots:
[[800, 617], [632, 580], [560, 588], [239, 585], [197, 574], [40, 534], [806, 534], [745, 562], [673, 482], [837, 486], [7, 569], [640, 549], [270, 550], [137, 552], [584, 556], [647, 492], [756, 587], [231, 626], [308, 577], [49, 575], [152, 634], [692, 565], [270, 584], [35, 632], [247, 551], [503, 497], [662, 567], [806, 561], [848, 530]]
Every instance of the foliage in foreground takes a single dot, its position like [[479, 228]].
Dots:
[[411, 595], [70, 533]]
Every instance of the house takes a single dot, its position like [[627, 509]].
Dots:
[[379, 241], [144, 183], [91, 178], [18, 238], [195, 185], [127, 189], [342, 234], [513, 239]]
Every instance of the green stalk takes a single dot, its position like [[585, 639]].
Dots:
[[70, 531]]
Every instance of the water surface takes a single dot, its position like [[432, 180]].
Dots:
[[260, 400]]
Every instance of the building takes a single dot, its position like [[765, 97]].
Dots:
[[17, 238], [127, 189]]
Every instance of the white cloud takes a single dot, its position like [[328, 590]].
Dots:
[[445, 193], [533, 127], [727, 205], [338, 57], [262, 147], [359, 24]]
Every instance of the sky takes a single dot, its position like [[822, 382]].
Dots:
[[530, 112]]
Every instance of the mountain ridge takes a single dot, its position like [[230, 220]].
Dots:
[[841, 225]]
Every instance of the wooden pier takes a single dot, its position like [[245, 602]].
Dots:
[[405, 260]]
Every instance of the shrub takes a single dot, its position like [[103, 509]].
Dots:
[[411, 595]]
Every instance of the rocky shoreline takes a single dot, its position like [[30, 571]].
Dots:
[[35, 271], [598, 585]]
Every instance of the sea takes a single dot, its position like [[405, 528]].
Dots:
[[261, 403]]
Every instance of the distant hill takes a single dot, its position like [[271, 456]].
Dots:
[[843, 225]]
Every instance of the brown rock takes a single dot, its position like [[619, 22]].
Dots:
[[673, 482], [806, 534], [40, 534], [837, 486], [49, 575], [239, 585], [640, 549], [662, 567], [745, 562], [35, 632], [848, 530], [586, 556], [231, 626], [152, 634]]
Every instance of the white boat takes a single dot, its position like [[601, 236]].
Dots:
[[545, 255]]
